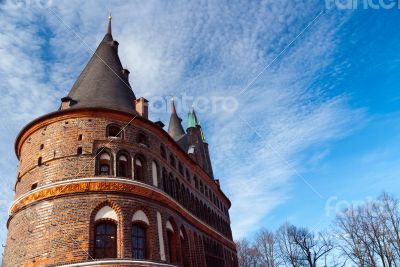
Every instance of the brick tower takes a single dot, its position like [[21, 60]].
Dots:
[[99, 184]]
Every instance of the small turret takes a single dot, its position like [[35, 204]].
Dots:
[[175, 129], [192, 119], [198, 143]]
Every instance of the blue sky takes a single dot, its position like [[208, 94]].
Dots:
[[318, 129]]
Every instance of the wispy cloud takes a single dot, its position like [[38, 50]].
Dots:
[[200, 49]]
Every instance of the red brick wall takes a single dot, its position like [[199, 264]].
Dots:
[[46, 230]]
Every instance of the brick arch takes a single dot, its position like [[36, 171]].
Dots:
[[119, 223]]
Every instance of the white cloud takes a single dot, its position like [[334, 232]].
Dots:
[[201, 49]]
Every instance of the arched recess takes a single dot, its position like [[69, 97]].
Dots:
[[140, 235], [172, 241], [142, 139], [185, 247], [154, 173], [114, 131], [105, 225], [165, 184], [123, 164], [104, 162], [171, 185], [139, 168]]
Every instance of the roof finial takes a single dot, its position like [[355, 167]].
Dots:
[[173, 110], [109, 24]]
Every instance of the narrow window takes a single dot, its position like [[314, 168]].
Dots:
[[122, 166], [80, 137], [196, 183], [171, 246], [180, 168], [79, 151], [162, 152], [188, 175], [41, 146], [39, 161], [114, 131], [104, 164], [172, 161], [142, 139], [138, 242], [105, 241], [139, 170]]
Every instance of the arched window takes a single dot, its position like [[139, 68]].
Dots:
[[115, 131], [105, 240], [180, 167], [139, 169], [196, 182], [185, 247], [172, 160], [165, 181], [142, 139], [162, 152], [171, 242], [104, 163], [123, 166], [188, 175], [171, 185], [140, 222], [138, 241]]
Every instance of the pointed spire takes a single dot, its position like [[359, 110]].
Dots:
[[109, 24], [175, 129], [173, 110], [192, 119], [103, 83]]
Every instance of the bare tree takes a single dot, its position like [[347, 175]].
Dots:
[[266, 247], [247, 254], [301, 247], [367, 236], [370, 233], [289, 252]]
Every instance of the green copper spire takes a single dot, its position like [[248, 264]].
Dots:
[[193, 122], [192, 119]]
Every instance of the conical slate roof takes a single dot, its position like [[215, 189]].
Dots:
[[175, 129], [104, 83]]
